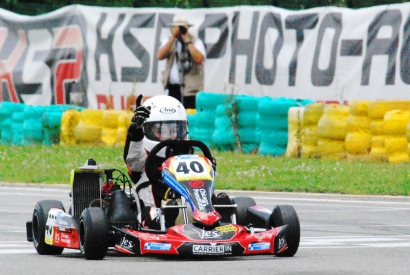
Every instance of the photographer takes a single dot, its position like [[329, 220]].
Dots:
[[183, 76]]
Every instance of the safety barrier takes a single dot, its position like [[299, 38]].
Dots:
[[363, 129]]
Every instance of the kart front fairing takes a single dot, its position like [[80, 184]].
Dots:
[[192, 176], [190, 240]]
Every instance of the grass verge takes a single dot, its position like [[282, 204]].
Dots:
[[52, 164]]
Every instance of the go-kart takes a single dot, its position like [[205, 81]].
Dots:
[[103, 214]]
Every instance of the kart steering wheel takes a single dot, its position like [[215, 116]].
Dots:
[[151, 170]]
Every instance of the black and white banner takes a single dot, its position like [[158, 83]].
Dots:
[[95, 56]]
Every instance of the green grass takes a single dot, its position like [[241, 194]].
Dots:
[[52, 164]]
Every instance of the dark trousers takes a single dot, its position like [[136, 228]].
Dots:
[[174, 90]]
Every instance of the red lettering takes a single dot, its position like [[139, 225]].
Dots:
[[7, 66], [67, 70]]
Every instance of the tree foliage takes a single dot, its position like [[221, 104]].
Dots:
[[35, 7]]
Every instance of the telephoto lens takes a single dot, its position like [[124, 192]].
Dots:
[[182, 29]]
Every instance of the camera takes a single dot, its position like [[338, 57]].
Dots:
[[183, 30]]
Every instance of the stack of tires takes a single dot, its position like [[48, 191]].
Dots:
[[89, 128], [295, 121], [311, 116], [202, 123], [376, 112], [224, 137], [17, 125], [69, 122], [332, 131], [110, 126], [7, 111], [395, 125], [358, 138], [52, 123], [248, 120], [274, 125], [124, 121], [33, 125]]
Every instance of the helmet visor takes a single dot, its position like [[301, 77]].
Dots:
[[165, 130]]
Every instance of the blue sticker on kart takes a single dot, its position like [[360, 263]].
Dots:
[[158, 246], [259, 246]]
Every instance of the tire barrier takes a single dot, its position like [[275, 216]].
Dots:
[[274, 124], [223, 136], [376, 112], [7, 110], [22, 124], [124, 121], [358, 138], [332, 131], [110, 126], [202, 122], [248, 118], [295, 121], [311, 116], [375, 130], [395, 125]]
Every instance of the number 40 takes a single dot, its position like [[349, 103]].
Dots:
[[194, 165]]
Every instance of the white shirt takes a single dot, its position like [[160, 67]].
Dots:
[[174, 73]]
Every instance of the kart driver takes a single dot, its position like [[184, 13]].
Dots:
[[159, 118]]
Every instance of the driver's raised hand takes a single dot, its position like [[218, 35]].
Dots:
[[141, 113]]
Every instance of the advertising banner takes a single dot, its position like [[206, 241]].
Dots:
[[100, 57]]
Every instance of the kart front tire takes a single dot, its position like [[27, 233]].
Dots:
[[242, 207], [39, 221], [286, 214], [94, 233]]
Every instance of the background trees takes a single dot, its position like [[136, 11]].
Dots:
[[35, 7]]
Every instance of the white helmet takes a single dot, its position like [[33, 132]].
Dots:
[[168, 120]]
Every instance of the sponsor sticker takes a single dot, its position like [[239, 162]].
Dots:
[[259, 246], [167, 110], [158, 246], [196, 183], [226, 228], [211, 249], [201, 198]]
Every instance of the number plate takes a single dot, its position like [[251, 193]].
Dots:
[[191, 169]]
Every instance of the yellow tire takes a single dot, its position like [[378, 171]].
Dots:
[[395, 144], [110, 118], [109, 136], [398, 158], [312, 113], [359, 107], [395, 122], [378, 108], [377, 127], [332, 128], [358, 144], [92, 117], [336, 110], [358, 124], [87, 133]]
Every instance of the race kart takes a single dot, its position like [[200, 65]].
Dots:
[[103, 214]]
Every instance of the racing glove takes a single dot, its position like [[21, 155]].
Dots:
[[141, 114]]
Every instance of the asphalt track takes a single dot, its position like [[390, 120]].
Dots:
[[340, 235]]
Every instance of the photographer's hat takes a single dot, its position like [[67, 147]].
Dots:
[[180, 20]]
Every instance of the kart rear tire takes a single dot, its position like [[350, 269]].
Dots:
[[286, 214], [39, 221], [241, 210], [94, 233]]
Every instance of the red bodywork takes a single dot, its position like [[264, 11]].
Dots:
[[171, 243]]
